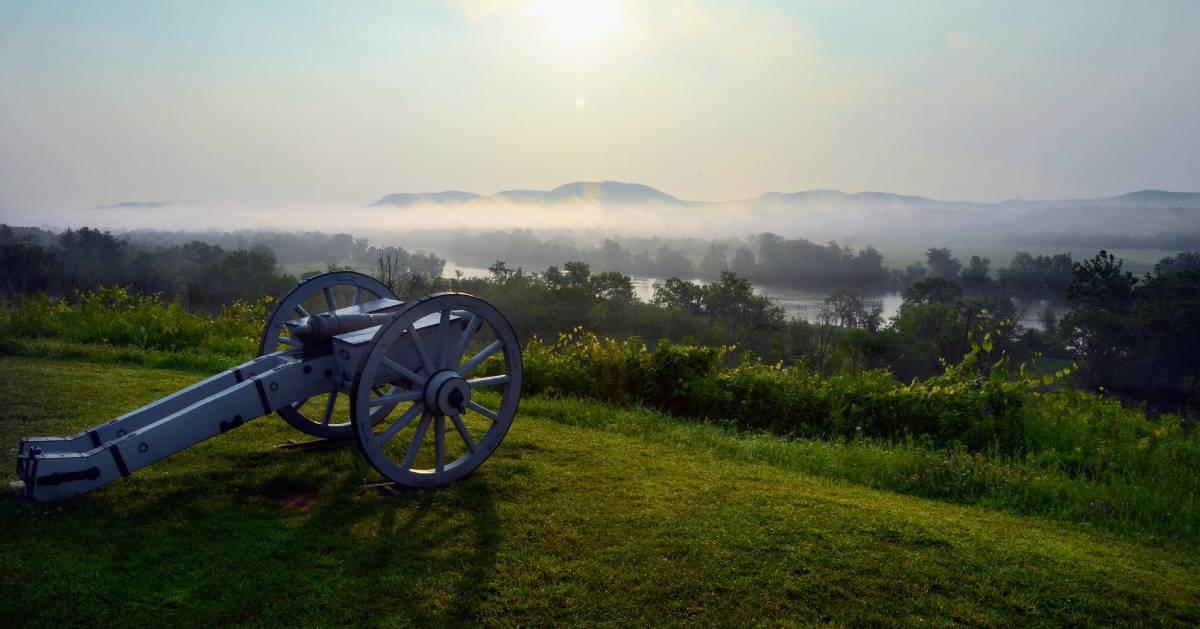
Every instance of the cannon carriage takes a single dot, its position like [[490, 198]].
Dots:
[[432, 387]]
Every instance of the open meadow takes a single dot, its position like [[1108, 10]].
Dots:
[[586, 514]]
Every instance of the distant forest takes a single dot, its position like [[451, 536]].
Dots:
[[769, 259], [199, 266], [206, 270], [1139, 337]]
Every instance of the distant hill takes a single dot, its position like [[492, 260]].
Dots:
[[622, 193], [1155, 198], [856, 200], [605, 192], [141, 205], [601, 191], [407, 199]]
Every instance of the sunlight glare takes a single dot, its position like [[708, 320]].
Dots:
[[578, 22]]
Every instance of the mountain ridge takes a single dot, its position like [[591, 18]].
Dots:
[[609, 192]]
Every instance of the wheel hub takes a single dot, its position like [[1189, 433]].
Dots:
[[447, 393]]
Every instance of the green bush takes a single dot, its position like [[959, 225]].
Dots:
[[956, 407], [115, 317]]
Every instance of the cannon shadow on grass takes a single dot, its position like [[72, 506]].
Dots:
[[276, 544]]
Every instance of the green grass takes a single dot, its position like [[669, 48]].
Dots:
[[581, 517]]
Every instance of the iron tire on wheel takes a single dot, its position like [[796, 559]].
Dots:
[[434, 390], [290, 307]]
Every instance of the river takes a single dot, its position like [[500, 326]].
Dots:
[[801, 304]]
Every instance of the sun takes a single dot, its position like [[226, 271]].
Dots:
[[578, 22]]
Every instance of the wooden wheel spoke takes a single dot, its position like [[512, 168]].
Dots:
[[302, 312], [400, 424], [443, 337], [330, 303], [464, 433], [483, 411], [483, 355], [415, 338], [439, 435], [358, 291], [460, 348], [402, 370], [329, 408], [415, 446], [489, 381], [283, 340], [395, 398]]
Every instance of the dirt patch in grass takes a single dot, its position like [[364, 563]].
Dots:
[[300, 501]]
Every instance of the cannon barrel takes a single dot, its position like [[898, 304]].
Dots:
[[325, 326]]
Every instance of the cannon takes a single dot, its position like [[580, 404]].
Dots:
[[432, 384]]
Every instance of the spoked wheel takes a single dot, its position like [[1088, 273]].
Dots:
[[320, 294], [452, 405]]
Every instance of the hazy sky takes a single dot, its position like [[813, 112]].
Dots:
[[297, 102]]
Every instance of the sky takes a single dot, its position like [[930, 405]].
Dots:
[[273, 104]]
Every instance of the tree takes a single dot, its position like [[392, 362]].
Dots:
[[1165, 345], [677, 294], [850, 310], [714, 261], [942, 264], [613, 257], [613, 286], [1049, 320], [1098, 328], [672, 263], [743, 262], [1040, 275], [1182, 262], [911, 274], [732, 301], [934, 290], [976, 278]]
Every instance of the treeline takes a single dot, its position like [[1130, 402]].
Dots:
[[288, 247], [936, 321], [200, 275], [768, 259], [1137, 336]]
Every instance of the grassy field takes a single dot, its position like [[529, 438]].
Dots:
[[582, 517]]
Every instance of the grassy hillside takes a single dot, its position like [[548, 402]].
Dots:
[[580, 517]]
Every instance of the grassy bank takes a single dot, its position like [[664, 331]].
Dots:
[[584, 515], [1158, 499]]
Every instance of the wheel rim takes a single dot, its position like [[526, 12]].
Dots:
[[317, 295], [440, 430]]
